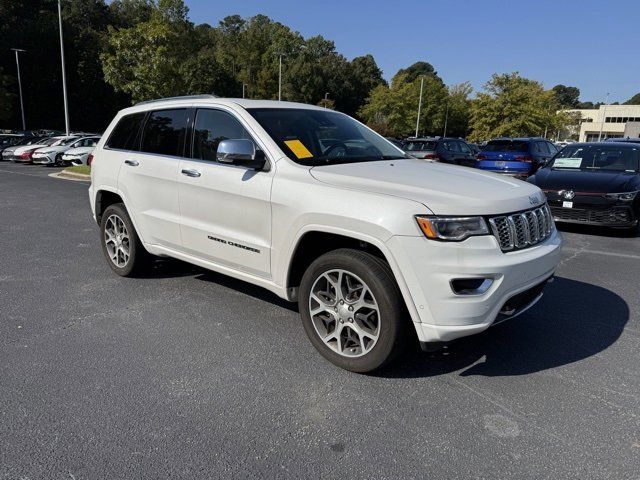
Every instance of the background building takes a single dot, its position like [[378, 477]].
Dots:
[[614, 120]]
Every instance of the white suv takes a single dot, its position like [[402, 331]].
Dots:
[[318, 208]]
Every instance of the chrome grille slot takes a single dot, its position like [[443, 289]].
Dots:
[[522, 230]]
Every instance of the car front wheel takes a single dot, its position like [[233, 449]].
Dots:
[[352, 310]]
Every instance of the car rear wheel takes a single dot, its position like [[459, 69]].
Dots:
[[121, 246], [352, 310]]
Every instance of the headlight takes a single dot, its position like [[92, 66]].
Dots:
[[453, 229], [625, 196]]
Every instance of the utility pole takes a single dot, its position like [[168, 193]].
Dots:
[[446, 118], [280, 76], [64, 76], [419, 104], [24, 127], [243, 85], [604, 117], [326, 99]]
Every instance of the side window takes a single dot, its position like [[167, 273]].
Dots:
[[552, 148], [124, 134], [451, 146], [540, 148], [464, 147], [211, 127], [164, 132]]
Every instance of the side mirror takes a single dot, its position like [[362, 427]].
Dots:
[[241, 152]]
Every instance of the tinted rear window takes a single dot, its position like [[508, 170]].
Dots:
[[164, 132], [124, 134], [419, 146], [506, 146]]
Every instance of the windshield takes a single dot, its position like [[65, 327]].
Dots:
[[620, 158], [505, 146], [416, 146], [64, 141], [318, 137]]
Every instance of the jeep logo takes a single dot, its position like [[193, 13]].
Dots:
[[534, 200]]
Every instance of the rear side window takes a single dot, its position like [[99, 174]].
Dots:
[[419, 146], [164, 132], [211, 127], [125, 132]]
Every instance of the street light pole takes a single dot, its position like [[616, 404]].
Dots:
[[419, 105], [280, 76], [64, 76], [446, 118], [326, 99], [24, 127], [243, 85], [604, 116]]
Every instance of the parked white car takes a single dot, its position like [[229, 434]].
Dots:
[[78, 155], [52, 155], [24, 153], [321, 210]]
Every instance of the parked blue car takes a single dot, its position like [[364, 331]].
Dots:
[[518, 157]]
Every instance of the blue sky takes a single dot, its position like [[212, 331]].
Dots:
[[594, 45]]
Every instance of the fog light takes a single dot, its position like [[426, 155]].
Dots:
[[470, 286]]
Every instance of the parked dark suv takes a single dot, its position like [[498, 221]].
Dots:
[[446, 150], [518, 157]]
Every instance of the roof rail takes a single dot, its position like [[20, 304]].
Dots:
[[183, 97]]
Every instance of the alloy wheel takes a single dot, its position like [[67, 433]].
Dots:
[[117, 241], [344, 313]]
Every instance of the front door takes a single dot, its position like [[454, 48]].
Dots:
[[225, 209]]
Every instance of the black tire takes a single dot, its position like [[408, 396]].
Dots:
[[138, 256], [393, 333]]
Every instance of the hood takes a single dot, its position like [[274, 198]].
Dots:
[[581, 181], [444, 189], [80, 150], [50, 149], [27, 148]]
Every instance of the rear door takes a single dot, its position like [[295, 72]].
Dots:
[[225, 209], [468, 158], [148, 177]]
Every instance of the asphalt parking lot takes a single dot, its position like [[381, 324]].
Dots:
[[187, 373]]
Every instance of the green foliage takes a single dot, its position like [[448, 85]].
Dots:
[[6, 97], [567, 97], [394, 110], [513, 106], [635, 100]]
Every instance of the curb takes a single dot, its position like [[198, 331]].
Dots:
[[78, 177]]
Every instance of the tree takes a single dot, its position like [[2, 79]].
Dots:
[[514, 106], [394, 110], [459, 106], [365, 75], [635, 100], [416, 70], [6, 97], [567, 97]]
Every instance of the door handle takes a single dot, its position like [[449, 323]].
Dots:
[[189, 172], [132, 163]]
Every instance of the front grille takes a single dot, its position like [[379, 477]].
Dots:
[[605, 216], [522, 230]]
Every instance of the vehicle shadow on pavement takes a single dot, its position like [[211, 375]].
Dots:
[[573, 321]]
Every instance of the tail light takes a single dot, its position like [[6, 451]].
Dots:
[[524, 158], [90, 159], [26, 155], [432, 156], [481, 157]]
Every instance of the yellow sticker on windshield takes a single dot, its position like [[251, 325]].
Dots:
[[298, 148]]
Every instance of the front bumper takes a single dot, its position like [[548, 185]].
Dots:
[[603, 215], [42, 159], [429, 267]]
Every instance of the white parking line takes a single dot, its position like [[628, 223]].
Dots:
[[602, 252]]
